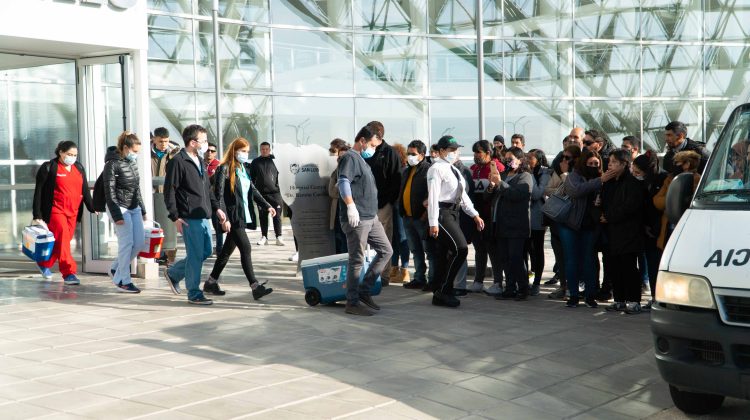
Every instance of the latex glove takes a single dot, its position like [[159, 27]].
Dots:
[[40, 222], [352, 215]]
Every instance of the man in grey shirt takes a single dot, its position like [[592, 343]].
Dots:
[[358, 209]]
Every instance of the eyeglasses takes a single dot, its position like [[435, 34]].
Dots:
[[567, 157]]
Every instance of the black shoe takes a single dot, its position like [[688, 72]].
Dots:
[[572, 302], [428, 288], [521, 296], [591, 303], [460, 292], [552, 281], [439, 299], [508, 294], [367, 300], [360, 310], [261, 291], [175, 286], [415, 285], [213, 288], [603, 296], [201, 301]]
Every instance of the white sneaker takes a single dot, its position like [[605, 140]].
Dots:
[[494, 290], [263, 240], [279, 241], [476, 287], [294, 257]]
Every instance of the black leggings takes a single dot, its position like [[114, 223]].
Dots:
[[536, 252], [451, 251], [236, 238]]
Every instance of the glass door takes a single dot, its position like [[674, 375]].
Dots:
[[103, 113]]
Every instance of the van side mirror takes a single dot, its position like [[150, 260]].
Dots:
[[678, 197]]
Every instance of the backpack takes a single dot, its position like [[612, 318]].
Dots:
[[100, 202]]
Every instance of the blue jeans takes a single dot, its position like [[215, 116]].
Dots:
[[416, 236], [130, 241], [400, 243], [198, 247], [580, 258]]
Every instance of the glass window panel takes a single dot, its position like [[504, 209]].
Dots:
[[205, 109], [4, 129], [727, 70], [672, 70], [249, 117], [537, 68], [247, 10], [717, 113], [315, 13], [674, 20], [493, 118], [657, 114], [243, 55], [404, 119], [543, 122], [391, 65], [615, 118], [174, 6], [607, 70], [607, 19], [9, 247], [312, 120], [26, 174], [494, 73], [4, 174], [453, 67], [312, 62], [535, 19], [172, 110], [452, 16], [458, 118], [726, 20], [43, 115], [170, 51], [390, 15]]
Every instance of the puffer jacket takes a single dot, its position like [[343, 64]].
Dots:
[[121, 185], [541, 179]]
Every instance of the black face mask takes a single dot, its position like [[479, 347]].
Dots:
[[479, 161], [676, 169], [591, 172]]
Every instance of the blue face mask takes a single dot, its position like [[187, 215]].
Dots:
[[132, 156], [368, 153]]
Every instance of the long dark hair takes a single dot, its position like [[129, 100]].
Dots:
[[541, 158], [520, 155], [648, 163], [587, 154]]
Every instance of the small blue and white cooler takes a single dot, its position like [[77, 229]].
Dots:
[[324, 278], [38, 243]]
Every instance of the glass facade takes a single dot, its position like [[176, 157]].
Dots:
[[308, 71]]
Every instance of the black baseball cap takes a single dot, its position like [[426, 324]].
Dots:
[[448, 142], [499, 138]]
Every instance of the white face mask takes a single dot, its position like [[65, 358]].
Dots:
[[69, 160], [333, 154], [451, 157], [242, 157], [203, 148], [412, 160]]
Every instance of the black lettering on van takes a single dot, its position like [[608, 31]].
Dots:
[[729, 257], [715, 259], [737, 261]]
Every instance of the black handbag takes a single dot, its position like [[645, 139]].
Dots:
[[557, 207]]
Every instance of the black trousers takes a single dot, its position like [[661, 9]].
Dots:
[[451, 251], [625, 277], [236, 238], [485, 246], [558, 250], [513, 257], [275, 201], [536, 253]]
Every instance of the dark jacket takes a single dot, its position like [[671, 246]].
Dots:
[[541, 177], [386, 168], [695, 146], [418, 189], [578, 188], [232, 202], [44, 191], [511, 207], [265, 175], [651, 215], [121, 184], [623, 207], [187, 189], [466, 222]]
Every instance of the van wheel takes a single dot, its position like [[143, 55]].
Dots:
[[695, 402], [312, 297]]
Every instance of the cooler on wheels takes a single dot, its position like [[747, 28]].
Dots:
[[154, 237], [38, 243], [324, 278]]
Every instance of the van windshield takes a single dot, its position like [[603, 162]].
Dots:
[[727, 178]]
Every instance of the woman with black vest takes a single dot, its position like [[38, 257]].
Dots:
[[60, 193], [233, 190]]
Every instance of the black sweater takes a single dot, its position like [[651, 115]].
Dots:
[[44, 191], [232, 203], [187, 189], [265, 175], [386, 168], [418, 189]]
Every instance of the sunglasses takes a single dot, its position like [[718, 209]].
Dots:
[[211, 150], [588, 143]]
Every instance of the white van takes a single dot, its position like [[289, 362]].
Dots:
[[701, 318]]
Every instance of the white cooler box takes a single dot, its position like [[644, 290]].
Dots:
[[38, 243], [324, 278]]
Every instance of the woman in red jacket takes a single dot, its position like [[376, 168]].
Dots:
[[60, 192]]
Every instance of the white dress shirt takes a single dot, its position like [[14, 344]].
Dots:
[[442, 187]]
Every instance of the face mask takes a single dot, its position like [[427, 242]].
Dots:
[[639, 177], [368, 153], [132, 156], [513, 163], [69, 160], [203, 148], [451, 157], [333, 154], [242, 157], [412, 160], [592, 172]]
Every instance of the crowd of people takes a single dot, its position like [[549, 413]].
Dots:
[[411, 204]]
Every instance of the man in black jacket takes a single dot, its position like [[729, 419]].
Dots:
[[413, 196], [265, 176], [675, 135], [386, 167], [187, 195]]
